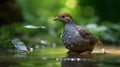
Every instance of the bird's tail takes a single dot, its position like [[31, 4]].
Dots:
[[102, 46], [100, 43]]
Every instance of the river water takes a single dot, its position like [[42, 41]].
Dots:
[[48, 57]]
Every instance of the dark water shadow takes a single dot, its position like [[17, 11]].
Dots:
[[76, 60], [73, 60], [94, 60]]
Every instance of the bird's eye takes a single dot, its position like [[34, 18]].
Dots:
[[63, 16]]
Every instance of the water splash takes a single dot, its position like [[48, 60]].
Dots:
[[19, 45], [31, 49], [103, 50]]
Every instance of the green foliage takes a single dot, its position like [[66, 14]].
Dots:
[[42, 12], [107, 10], [112, 35], [106, 32]]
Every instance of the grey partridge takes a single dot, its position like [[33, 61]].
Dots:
[[76, 38]]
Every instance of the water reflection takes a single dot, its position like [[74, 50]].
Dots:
[[8, 64], [75, 60]]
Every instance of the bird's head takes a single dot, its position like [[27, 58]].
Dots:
[[64, 17]]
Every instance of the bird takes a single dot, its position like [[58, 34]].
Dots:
[[76, 39]]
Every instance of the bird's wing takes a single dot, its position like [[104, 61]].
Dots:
[[88, 36]]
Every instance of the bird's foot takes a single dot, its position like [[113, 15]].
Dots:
[[78, 54], [72, 52], [86, 53]]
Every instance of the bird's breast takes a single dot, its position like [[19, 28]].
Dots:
[[71, 38]]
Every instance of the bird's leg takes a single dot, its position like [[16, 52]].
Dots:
[[86, 53], [83, 54], [71, 52]]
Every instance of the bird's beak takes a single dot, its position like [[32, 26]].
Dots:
[[56, 18]]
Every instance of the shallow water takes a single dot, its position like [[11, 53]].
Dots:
[[43, 58]]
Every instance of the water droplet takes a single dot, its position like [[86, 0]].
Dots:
[[103, 50], [78, 59], [72, 59], [31, 49]]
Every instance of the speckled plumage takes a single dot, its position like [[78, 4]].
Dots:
[[76, 38]]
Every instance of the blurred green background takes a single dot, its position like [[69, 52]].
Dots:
[[101, 17]]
